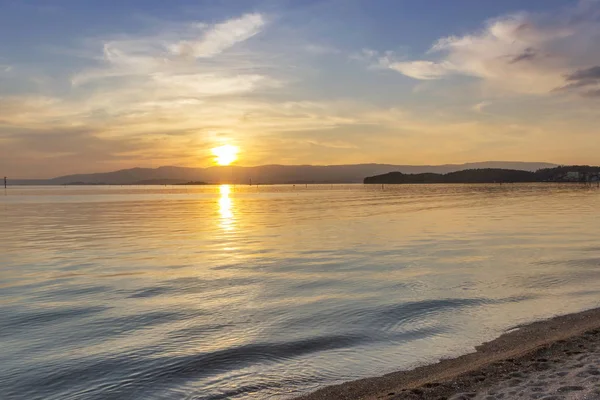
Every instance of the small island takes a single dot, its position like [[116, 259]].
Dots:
[[583, 174]]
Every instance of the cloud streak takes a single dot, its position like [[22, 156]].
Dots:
[[423, 70], [221, 37], [174, 72], [166, 52], [521, 53], [585, 80]]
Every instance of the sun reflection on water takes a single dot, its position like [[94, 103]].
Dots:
[[226, 208]]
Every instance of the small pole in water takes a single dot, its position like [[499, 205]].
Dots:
[[4, 182], [382, 187]]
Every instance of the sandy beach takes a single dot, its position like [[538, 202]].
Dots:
[[553, 359]]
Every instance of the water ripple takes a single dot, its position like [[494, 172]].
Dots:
[[178, 293]]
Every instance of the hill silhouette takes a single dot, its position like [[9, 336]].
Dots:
[[581, 173], [267, 174]]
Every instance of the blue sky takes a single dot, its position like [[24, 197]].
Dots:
[[101, 85]]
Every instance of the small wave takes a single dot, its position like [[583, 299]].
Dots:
[[70, 292], [152, 292], [132, 374], [12, 323], [577, 262]]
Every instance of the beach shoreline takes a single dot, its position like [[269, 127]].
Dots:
[[558, 358]]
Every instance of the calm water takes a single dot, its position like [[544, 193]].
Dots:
[[272, 291]]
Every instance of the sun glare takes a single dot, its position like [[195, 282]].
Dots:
[[225, 155], [226, 207]]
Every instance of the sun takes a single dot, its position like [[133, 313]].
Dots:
[[226, 154]]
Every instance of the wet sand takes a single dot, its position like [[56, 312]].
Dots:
[[553, 359]]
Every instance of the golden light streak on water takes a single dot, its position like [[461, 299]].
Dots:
[[226, 208]]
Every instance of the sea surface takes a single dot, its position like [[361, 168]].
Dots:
[[246, 292]]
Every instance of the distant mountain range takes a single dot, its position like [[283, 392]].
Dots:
[[267, 174]]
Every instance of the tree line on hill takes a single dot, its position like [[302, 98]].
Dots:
[[582, 173]]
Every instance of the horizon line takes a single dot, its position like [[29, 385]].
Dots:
[[289, 165]]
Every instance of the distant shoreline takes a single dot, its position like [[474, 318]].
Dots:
[[299, 184], [522, 352], [265, 174]]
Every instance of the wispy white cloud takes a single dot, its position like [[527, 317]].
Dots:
[[334, 144], [220, 37], [186, 49], [422, 69], [525, 53], [173, 71]]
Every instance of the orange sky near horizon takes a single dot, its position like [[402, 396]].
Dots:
[[508, 83]]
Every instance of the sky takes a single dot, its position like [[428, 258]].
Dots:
[[101, 85]]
